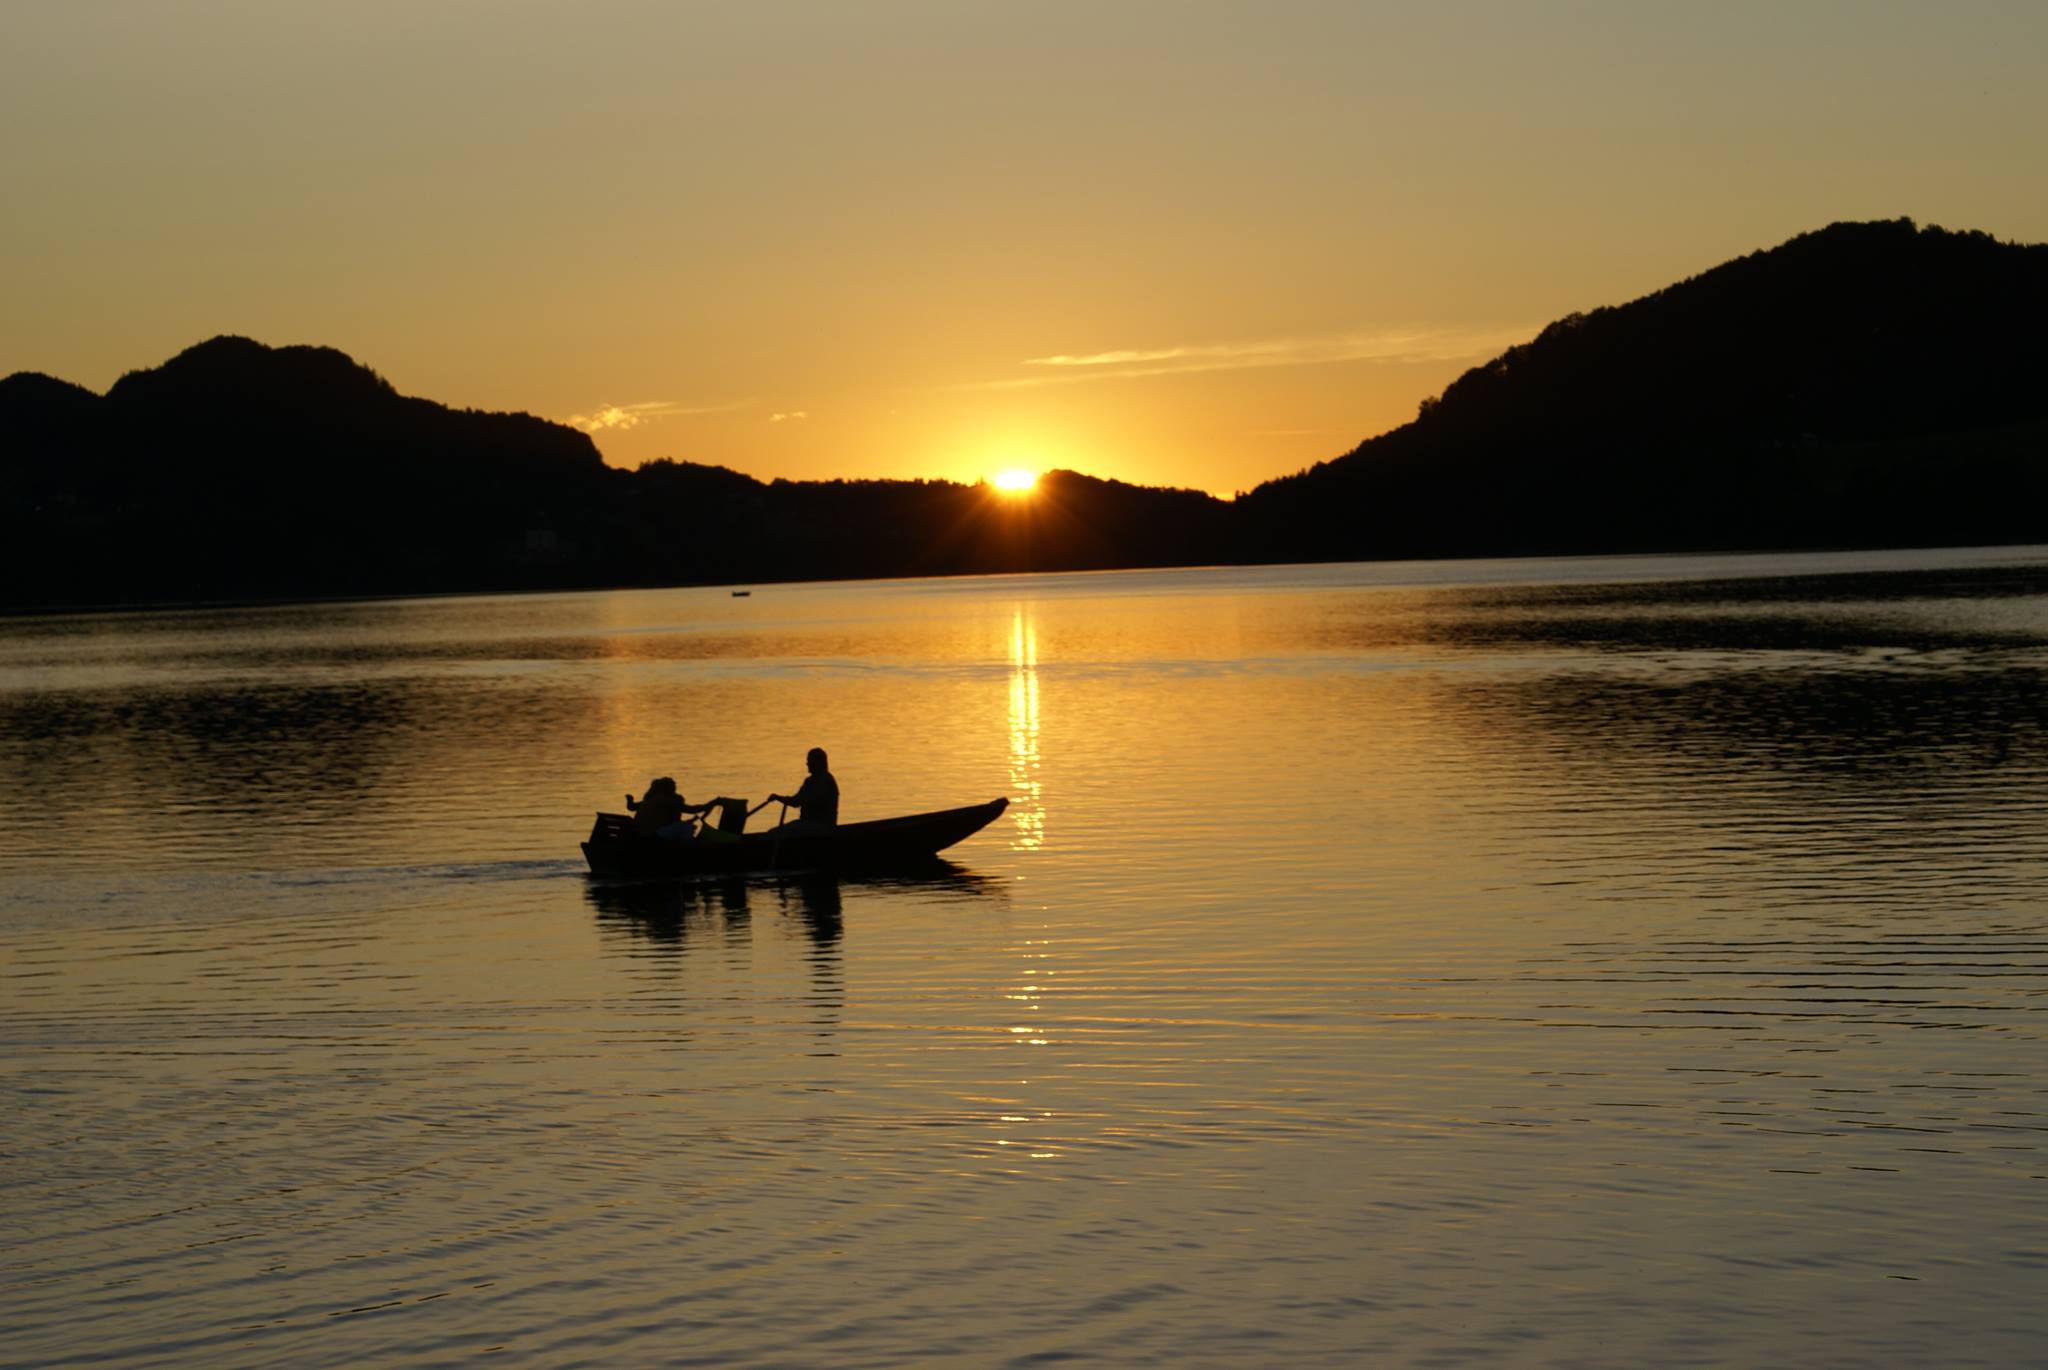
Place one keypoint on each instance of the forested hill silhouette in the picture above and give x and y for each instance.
(1865, 385)
(237, 470)
(1869, 384)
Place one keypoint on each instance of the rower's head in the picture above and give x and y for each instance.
(814, 759)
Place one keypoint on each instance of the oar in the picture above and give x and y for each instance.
(775, 842)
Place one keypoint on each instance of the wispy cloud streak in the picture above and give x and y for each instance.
(625, 416)
(1386, 345)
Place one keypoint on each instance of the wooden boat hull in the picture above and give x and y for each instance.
(616, 848)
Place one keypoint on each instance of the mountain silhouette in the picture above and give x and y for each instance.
(236, 470)
(1869, 384)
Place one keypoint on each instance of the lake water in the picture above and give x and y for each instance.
(1603, 962)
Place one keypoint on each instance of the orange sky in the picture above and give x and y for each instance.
(1183, 243)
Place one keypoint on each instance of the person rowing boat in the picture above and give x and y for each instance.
(816, 800)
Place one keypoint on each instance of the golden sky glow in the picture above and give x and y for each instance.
(1171, 241)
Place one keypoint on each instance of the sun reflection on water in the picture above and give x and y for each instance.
(1027, 808)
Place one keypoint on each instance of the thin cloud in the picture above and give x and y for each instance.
(785, 418)
(626, 416)
(1386, 345)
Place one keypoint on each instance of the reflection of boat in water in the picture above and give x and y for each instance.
(884, 844)
(662, 909)
(670, 911)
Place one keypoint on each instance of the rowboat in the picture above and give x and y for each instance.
(617, 848)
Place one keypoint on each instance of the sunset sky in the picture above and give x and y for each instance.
(1182, 243)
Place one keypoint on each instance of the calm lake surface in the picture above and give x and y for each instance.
(1602, 962)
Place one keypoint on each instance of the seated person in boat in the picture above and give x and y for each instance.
(660, 811)
(817, 800)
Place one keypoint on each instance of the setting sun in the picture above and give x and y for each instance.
(1015, 481)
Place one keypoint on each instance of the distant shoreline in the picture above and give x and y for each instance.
(2018, 552)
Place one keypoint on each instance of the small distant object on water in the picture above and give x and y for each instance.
(618, 847)
(741, 594)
